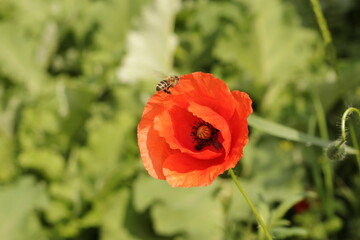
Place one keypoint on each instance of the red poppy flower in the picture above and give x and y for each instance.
(195, 133)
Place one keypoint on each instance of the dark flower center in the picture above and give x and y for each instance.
(204, 134)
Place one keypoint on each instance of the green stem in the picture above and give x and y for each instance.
(326, 35)
(320, 114)
(315, 169)
(356, 144)
(328, 181)
(257, 215)
(343, 131)
(325, 165)
(321, 21)
(343, 120)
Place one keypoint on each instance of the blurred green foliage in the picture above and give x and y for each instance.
(74, 78)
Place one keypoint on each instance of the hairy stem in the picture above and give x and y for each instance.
(253, 209)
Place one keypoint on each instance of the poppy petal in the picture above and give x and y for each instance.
(206, 90)
(153, 148)
(181, 170)
(217, 121)
(243, 102)
(239, 128)
(175, 126)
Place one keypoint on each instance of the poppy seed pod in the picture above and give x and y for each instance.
(336, 150)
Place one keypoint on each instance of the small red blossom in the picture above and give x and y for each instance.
(195, 133)
(302, 206)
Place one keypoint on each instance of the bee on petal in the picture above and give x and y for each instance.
(167, 83)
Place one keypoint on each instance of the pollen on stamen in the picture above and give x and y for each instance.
(203, 132)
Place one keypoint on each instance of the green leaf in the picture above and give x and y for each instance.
(9, 106)
(266, 178)
(18, 203)
(286, 205)
(46, 162)
(56, 211)
(286, 233)
(288, 133)
(111, 37)
(39, 124)
(116, 218)
(261, 48)
(193, 211)
(106, 141)
(271, 51)
(7, 167)
(151, 46)
(17, 59)
(103, 161)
